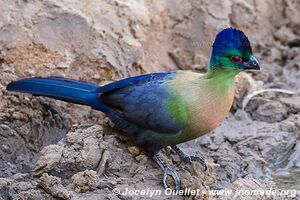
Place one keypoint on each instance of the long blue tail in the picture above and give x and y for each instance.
(60, 88)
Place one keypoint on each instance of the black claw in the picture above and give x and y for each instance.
(174, 175)
(200, 161)
(186, 158)
(167, 172)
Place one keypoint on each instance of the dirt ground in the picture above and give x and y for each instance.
(54, 150)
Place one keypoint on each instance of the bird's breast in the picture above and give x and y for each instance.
(208, 109)
(208, 112)
(207, 102)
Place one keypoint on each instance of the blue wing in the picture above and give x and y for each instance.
(141, 101)
(132, 103)
(136, 80)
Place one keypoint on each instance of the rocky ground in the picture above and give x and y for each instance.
(54, 150)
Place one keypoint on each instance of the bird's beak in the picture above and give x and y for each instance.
(252, 64)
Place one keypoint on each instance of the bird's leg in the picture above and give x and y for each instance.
(167, 171)
(186, 158)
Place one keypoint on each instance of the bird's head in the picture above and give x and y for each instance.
(232, 50)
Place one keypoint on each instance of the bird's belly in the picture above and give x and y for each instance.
(204, 124)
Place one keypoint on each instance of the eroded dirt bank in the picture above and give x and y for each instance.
(50, 149)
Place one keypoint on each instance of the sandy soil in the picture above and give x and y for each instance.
(54, 150)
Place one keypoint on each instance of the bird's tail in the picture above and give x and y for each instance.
(69, 90)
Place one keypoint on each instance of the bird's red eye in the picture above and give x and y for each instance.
(236, 59)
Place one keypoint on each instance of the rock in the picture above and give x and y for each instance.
(270, 112)
(19, 187)
(105, 158)
(81, 150)
(294, 160)
(20, 116)
(230, 164)
(184, 6)
(134, 150)
(290, 9)
(32, 194)
(291, 124)
(53, 186)
(294, 63)
(141, 158)
(201, 62)
(85, 181)
(4, 187)
(244, 85)
(52, 155)
(285, 35)
(292, 102)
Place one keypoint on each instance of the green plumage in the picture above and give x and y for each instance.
(177, 107)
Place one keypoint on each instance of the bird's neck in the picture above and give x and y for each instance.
(221, 79)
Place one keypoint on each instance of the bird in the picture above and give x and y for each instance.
(161, 109)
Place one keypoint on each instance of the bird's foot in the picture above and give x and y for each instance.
(174, 175)
(188, 159)
(168, 171)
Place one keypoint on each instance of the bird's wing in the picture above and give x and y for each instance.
(145, 101)
(137, 80)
